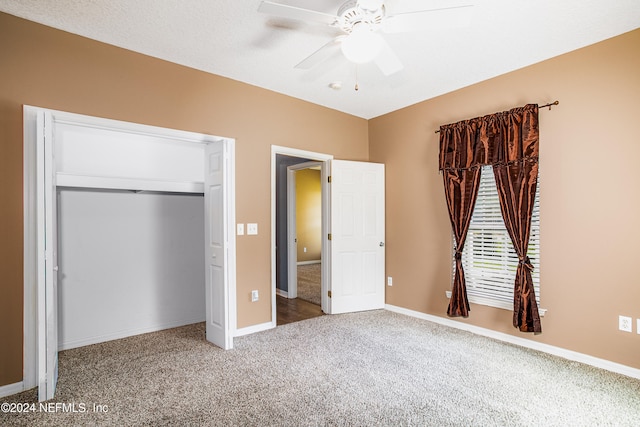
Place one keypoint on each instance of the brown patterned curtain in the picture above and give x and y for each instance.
(461, 190)
(509, 142)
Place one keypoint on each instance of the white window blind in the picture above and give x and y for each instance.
(488, 258)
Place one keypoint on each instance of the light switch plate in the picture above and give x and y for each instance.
(240, 229)
(252, 228)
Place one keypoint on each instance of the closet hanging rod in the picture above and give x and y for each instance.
(539, 106)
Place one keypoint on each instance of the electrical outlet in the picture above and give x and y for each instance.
(252, 229)
(389, 281)
(624, 324)
(254, 296)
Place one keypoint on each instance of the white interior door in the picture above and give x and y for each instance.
(47, 278)
(217, 234)
(357, 236)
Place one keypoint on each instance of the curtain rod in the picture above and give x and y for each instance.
(539, 106)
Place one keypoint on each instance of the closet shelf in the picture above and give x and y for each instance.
(120, 183)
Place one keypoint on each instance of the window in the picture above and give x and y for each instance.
(488, 258)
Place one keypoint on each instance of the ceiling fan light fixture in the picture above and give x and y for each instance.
(361, 45)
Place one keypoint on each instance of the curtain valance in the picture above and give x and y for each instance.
(490, 140)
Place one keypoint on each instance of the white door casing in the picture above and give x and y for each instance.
(292, 236)
(216, 246)
(47, 263)
(357, 236)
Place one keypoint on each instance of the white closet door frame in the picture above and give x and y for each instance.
(30, 367)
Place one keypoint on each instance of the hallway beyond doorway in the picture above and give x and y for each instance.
(295, 310)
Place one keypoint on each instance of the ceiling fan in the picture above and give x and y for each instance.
(361, 22)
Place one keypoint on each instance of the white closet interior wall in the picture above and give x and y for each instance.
(129, 263)
(130, 233)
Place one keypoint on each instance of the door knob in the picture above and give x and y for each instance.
(381, 244)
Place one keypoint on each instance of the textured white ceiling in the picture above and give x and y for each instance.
(230, 38)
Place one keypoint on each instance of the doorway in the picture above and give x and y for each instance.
(353, 229)
(286, 306)
(304, 232)
(302, 298)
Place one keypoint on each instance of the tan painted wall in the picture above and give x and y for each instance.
(586, 280)
(53, 69)
(590, 196)
(309, 214)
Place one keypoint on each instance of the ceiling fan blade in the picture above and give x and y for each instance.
(387, 60)
(293, 12)
(322, 54)
(434, 19)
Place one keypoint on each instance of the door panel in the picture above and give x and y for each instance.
(357, 236)
(216, 246)
(47, 282)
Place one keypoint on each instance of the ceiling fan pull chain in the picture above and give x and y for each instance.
(356, 87)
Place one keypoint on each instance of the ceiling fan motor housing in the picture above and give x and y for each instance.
(350, 15)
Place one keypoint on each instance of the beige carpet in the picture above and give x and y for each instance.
(310, 282)
(374, 368)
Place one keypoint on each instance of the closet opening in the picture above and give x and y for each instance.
(130, 262)
(128, 229)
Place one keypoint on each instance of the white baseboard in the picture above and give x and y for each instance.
(523, 342)
(9, 389)
(255, 328)
(128, 333)
(282, 293)
(314, 261)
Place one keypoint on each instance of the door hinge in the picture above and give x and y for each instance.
(329, 179)
(329, 236)
(329, 293)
